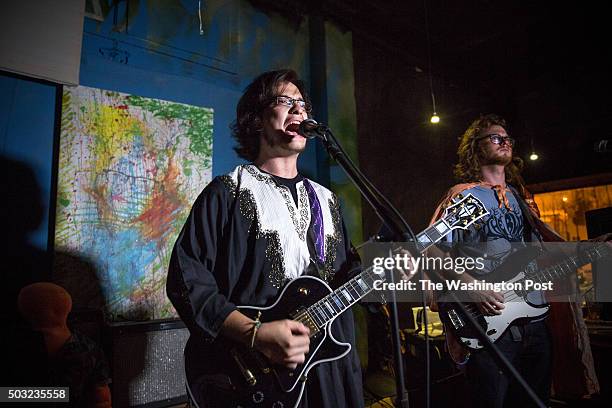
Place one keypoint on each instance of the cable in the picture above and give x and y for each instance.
(379, 398)
(200, 16)
(427, 356)
(433, 98)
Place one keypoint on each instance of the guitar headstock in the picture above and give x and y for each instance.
(464, 212)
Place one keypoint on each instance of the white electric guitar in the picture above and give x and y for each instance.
(518, 309)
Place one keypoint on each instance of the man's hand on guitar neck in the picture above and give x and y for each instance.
(283, 342)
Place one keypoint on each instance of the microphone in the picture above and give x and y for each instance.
(602, 146)
(310, 128)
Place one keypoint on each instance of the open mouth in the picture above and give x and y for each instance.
(293, 128)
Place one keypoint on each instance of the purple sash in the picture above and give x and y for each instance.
(317, 223)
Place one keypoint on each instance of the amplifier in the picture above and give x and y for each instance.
(146, 360)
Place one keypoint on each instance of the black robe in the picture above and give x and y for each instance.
(226, 255)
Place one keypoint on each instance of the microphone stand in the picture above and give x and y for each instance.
(402, 231)
(399, 227)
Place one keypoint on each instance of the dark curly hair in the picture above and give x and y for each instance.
(470, 153)
(248, 126)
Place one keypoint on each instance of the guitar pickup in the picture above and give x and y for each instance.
(306, 319)
(310, 323)
(455, 319)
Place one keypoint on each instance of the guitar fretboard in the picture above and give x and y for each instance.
(358, 287)
(342, 298)
(432, 234)
(569, 265)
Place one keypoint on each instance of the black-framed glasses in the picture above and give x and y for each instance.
(499, 139)
(291, 102)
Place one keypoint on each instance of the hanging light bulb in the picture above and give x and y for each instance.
(435, 119)
(533, 156)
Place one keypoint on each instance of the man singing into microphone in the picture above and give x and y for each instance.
(248, 233)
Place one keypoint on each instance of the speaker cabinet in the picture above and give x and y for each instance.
(147, 365)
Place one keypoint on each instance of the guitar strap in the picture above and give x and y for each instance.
(529, 225)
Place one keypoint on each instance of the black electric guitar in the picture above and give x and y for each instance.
(517, 269)
(245, 378)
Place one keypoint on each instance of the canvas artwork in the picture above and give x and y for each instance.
(129, 170)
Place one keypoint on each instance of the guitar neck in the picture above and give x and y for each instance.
(359, 286)
(569, 265)
(432, 234)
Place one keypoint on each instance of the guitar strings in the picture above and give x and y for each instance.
(555, 272)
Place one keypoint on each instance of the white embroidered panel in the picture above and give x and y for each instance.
(277, 212)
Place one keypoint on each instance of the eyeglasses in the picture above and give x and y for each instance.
(499, 139)
(290, 102)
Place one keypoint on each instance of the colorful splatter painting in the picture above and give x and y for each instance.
(129, 170)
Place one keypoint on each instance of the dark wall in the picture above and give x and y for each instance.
(405, 156)
(543, 66)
